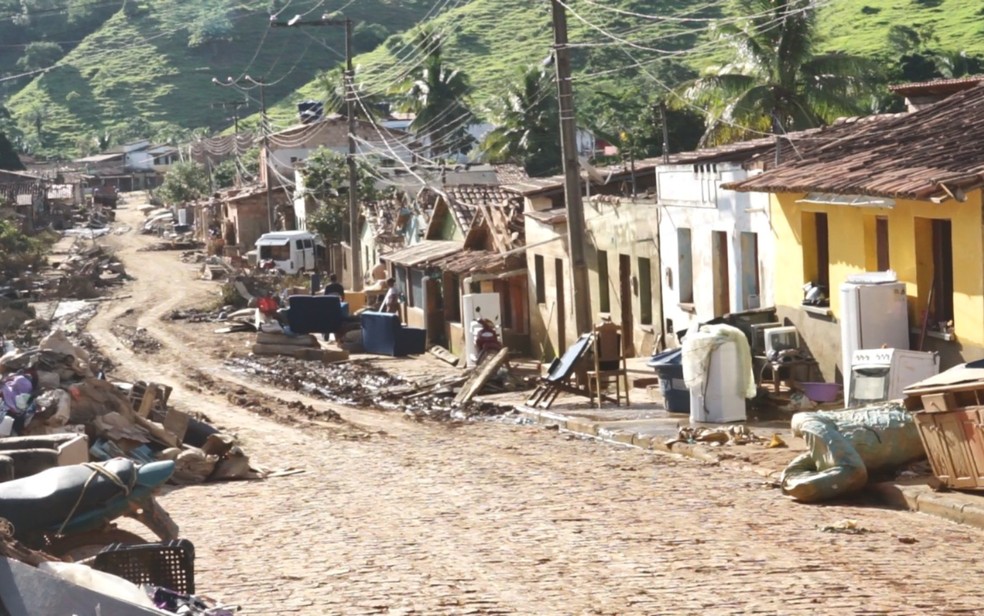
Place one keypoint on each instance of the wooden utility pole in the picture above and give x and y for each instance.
(355, 240)
(265, 128)
(576, 233)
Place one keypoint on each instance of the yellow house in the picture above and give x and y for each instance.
(901, 192)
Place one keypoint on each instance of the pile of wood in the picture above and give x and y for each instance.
(300, 346)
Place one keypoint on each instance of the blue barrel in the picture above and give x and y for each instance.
(669, 368)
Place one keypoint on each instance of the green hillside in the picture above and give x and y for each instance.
(129, 68)
(148, 69)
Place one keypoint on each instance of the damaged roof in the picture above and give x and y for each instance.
(932, 154)
(485, 261)
(423, 253)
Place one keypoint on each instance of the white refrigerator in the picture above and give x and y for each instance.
(874, 315)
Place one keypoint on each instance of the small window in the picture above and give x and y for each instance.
(539, 279)
(645, 291)
(816, 250)
(308, 244)
(604, 298)
(685, 260)
(299, 244)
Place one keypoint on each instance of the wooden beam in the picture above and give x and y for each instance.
(485, 371)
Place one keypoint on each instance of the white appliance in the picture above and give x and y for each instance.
(878, 375)
(874, 315)
(474, 305)
(720, 401)
(780, 339)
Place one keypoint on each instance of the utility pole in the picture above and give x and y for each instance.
(355, 240)
(235, 111)
(666, 131)
(572, 181)
(264, 126)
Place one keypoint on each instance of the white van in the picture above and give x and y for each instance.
(289, 251)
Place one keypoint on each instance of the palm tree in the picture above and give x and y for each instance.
(527, 125)
(438, 95)
(777, 82)
(332, 86)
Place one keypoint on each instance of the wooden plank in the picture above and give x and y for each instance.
(147, 401)
(176, 423)
(301, 340)
(444, 355)
(484, 373)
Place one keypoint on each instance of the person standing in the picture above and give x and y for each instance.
(334, 287)
(391, 301)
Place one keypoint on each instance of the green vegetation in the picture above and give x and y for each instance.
(326, 180)
(778, 83)
(526, 118)
(126, 68)
(18, 252)
(185, 181)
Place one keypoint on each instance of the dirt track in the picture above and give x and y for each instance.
(399, 517)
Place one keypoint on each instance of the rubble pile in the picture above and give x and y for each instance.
(358, 383)
(53, 388)
(137, 339)
(84, 273)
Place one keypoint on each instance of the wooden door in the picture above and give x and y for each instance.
(561, 307)
(625, 300)
(722, 274)
(434, 311)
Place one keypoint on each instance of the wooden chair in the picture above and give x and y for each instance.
(609, 364)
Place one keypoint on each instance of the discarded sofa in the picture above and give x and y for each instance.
(846, 447)
(311, 314)
(384, 334)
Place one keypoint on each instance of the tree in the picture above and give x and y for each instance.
(777, 82)
(527, 125)
(438, 95)
(184, 182)
(332, 85)
(326, 180)
(9, 159)
(40, 54)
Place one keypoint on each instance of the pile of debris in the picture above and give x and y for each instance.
(361, 384)
(87, 270)
(52, 389)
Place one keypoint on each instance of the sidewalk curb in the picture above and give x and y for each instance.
(916, 497)
(922, 499)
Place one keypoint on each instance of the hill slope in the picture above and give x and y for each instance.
(144, 67)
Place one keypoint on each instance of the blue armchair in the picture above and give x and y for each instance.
(383, 334)
(309, 314)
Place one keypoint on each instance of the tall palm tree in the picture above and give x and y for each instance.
(777, 82)
(332, 86)
(438, 96)
(528, 125)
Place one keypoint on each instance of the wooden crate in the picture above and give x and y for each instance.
(954, 442)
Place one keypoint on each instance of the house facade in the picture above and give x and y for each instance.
(901, 193)
(716, 245)
(622, 253)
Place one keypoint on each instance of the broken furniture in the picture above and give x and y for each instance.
(609, 364)
(384, 334)
(321, 314)
(23, 456)
(559, 375)
(947, 409)
(786, 366)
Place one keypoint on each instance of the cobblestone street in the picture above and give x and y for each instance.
(488, 519)
(400, 517)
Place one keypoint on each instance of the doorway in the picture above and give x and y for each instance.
(625, 300)
(561, 307)
(434, 311)
(722, 275)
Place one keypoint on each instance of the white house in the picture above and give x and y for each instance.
(716, 245)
